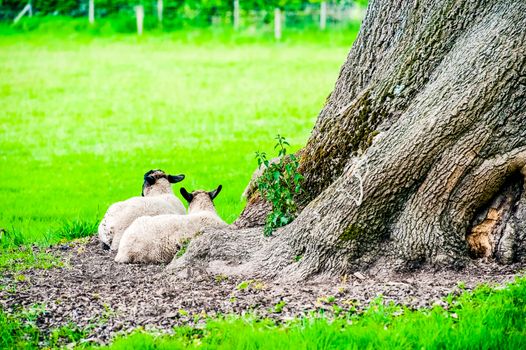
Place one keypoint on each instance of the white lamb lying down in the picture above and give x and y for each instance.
(157, 198)
(156, 239)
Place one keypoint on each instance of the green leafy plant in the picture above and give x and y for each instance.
(244, 285)
(184, 244)
(279, 184)
(279, 306)
(220, 278)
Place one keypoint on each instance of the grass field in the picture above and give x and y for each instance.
(488, 318)
(84, 113)
(84, 116)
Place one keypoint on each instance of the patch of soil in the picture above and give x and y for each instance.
(94, 290)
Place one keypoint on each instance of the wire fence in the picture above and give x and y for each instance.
(173, 14)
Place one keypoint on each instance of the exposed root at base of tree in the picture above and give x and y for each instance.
(499, 229)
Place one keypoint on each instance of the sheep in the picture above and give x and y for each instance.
(156, 198)
(156, 239)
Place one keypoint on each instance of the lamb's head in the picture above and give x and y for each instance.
(158, 182)
(200, 200)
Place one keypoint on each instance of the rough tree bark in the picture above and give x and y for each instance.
(418, 156)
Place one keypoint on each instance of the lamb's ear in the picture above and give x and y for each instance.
(175, 178)
(213, 194)
(186, 195)
(149, 179)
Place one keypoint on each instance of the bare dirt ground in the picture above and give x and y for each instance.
(113, 298)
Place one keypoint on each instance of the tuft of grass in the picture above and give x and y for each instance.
(142, 340)
(184, 245)
(19, 330)
(76, 229)
(11, 238)
(220, 278)
(22, 258)
(244, 284)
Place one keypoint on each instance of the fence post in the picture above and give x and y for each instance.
(26, 9)
(356, 12)
(323, 15)
(236, 14)
(160, 11)
(91, 11)
(277, 23)
(139, 14)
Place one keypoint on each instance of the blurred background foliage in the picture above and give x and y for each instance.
(181, 13)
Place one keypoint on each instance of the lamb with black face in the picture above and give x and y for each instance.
(157, 198)
(157, 239)
(157, 182)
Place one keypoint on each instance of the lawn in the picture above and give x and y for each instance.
(84, 116)
(487, 318)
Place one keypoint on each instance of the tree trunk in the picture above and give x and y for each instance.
(419, 155)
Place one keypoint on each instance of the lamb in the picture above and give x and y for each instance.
(156, 239)
(157, 198)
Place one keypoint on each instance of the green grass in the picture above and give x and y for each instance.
(340, 35)
(19, 330)
(487, 318)
(23, 258)
(85, 114)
